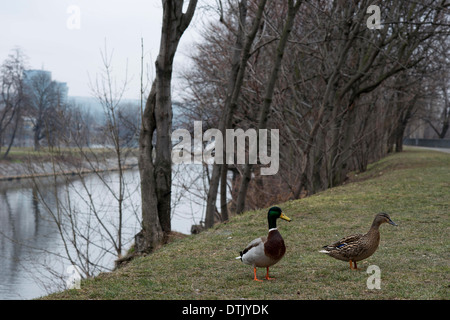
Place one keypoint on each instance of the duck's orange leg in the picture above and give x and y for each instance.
(254, 272)
(356, 267)
(267, 275)
(351, 265)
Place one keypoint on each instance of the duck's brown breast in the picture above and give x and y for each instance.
(370, 245)
(274, 247)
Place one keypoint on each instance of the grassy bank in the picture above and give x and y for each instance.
(25, 154)
(23, 163)
(413, 187)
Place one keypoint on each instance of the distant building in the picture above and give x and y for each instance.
(28, 75)
(45, 77)
(63, 90)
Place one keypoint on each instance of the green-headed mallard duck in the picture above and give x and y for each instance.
(358, 246)
(264, 252)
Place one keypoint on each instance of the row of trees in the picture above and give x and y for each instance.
(29, 100)
(340, 93)
(346, 92)
(25, 98)
(35, 110)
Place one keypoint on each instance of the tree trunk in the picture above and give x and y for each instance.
(445, 114)
(13, 136)
(264, 113)
(329, 101)
(156, 172)
(239, 64)
(401, 126)
(223, 193)
(341, 151)
(37, 133)
(399, 138)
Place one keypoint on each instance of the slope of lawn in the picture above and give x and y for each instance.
(414, 258)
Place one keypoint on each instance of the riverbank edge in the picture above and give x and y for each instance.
(23, 171)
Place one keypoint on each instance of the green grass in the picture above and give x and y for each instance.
(413, 187)
(72, 154)
(18, 154)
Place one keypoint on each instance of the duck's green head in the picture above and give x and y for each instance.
(274, 214)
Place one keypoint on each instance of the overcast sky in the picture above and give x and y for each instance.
(40, 29)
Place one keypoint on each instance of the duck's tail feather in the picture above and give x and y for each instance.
(240, 256)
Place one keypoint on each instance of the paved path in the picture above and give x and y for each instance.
(446, 150)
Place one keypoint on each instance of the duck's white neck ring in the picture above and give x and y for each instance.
(273, 229)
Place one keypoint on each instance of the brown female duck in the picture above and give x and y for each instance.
(357, 247)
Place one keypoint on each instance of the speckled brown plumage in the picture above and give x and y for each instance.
(357, 247)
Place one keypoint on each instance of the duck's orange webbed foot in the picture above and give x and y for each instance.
(267, 275)
(254, 272)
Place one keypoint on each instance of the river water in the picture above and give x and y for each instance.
(33, 254)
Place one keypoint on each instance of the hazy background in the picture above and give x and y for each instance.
(40, 29)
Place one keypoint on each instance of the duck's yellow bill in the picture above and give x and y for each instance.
(284, 217)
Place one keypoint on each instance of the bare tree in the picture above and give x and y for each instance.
(156, 170)
(90, 218)
(12, 96)
(241, 56)
(335, 96)
(110, 96)
(42, 98)
(366, 61)
(438, 115)
(293, 8)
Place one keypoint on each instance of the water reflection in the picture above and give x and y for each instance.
(22, 232)
(33, 255)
